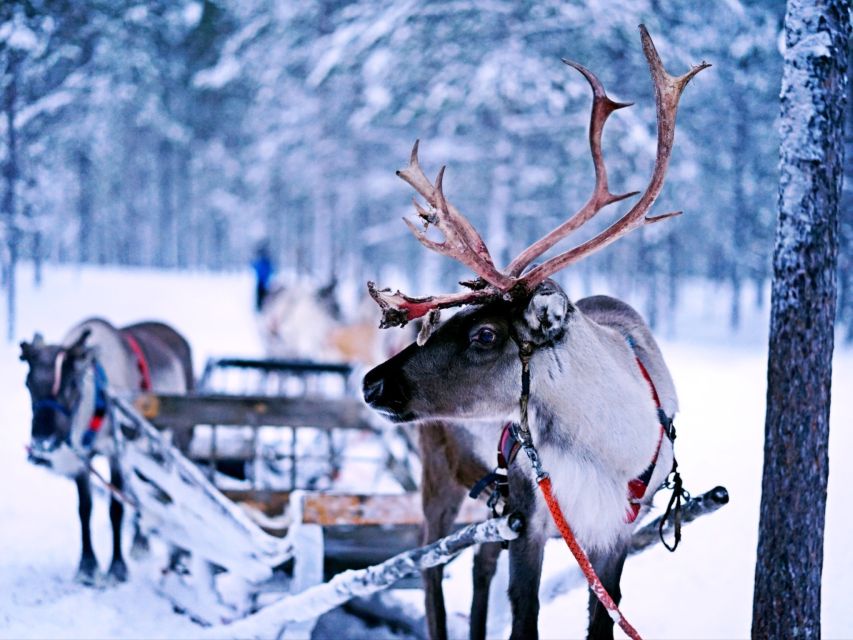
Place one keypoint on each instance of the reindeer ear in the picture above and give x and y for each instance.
(26, 351)
(545, 317)
(79, 347)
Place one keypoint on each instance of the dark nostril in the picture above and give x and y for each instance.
(372, 390)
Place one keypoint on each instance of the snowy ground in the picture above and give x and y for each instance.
(702, 591)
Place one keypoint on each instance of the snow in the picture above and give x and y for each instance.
(17, 35)
(704, 590)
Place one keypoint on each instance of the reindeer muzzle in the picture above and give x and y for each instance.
(387, 394)
(39, 451)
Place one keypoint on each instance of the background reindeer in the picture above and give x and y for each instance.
(301, 321)
(601, 397)
(70, 415)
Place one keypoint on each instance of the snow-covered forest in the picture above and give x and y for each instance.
(292, 467)
(178, 134)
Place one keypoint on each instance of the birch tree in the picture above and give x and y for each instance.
(786, 601)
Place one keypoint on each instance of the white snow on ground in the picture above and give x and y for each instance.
(704, 590)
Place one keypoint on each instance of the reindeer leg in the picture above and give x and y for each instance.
(87, 571)
(525, 568)
(485, 565)
(608, 566)
(118, 568)
(140, 548)
(525, 561)
(441, 498)
(439, 511)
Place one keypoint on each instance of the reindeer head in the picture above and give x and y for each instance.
(469, 367)
(54, 383)
(466, 368)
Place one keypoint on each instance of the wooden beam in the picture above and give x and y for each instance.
(284, 366)
(185, 411)
(334, 509)
(399, 509)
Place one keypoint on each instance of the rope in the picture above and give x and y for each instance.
(673, 507)
(592, 578)
(120, 495)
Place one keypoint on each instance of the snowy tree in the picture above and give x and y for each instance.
(793, 497)
(845, 230)
(41, 55)
(193, 129)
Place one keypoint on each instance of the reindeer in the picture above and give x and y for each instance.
(70, 421)
(600, 400)
(303, 322)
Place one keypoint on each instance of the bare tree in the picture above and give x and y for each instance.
(10, 173)
(793, 499)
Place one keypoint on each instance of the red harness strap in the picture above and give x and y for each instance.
(141, 362)
(592, 578)
(638, 486)
(636, 491)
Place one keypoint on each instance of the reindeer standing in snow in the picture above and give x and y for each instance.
(302, 321)
(67, 384)
(600, 398)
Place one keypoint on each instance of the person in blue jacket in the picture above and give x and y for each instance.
(264, 269)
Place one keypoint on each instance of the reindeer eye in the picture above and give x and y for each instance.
(485, 336)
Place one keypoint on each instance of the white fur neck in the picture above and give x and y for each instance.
(595, 426)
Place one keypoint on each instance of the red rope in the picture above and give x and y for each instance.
(648, 378)
(583, 561)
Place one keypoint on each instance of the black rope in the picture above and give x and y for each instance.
(673, 507)
(525, 351)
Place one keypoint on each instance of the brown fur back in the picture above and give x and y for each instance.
(159, 341)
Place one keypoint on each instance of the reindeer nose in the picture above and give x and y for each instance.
(372, 389)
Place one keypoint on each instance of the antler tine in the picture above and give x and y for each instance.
(398, 308)
(668, 90)
(602, 107)
(463, 243)
(461, 240)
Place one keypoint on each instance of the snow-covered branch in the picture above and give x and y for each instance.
(644, 538)
(315, 601)
(175, 498)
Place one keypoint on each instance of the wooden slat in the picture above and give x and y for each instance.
(336, 509)
(287, 366)
(185, 411)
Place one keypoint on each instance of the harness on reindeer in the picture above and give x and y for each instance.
(515, 437)
(101, 401)
(101, 406)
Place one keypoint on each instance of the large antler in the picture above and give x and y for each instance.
(668, 90)
(463, 243)
(602, 107)
(461, 240)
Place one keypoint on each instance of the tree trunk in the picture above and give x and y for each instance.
(845, 264)
(38, 258)
(183, 217)
(793, 499)
(500, 203)
(275, 219)
(166, 245)
(85, 231)
(10, 172)
(673, 251)
(738, 230)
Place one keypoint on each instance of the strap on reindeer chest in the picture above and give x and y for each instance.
(508, 448)
(100, 411)
(515, 436)
(141, 362)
